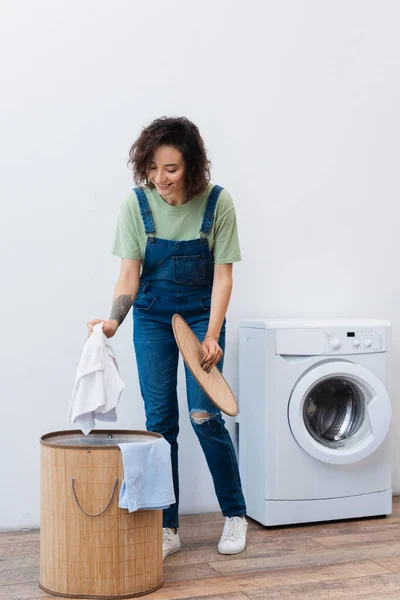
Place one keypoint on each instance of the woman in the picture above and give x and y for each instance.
(177, 238)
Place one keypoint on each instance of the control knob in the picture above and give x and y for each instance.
(334, 343)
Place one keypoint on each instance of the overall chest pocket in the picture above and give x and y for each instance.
(189, 269)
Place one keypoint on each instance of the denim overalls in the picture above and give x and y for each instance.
(177, 277)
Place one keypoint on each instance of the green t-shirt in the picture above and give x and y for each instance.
(178, 223)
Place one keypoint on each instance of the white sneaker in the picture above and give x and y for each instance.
(170, 542)
(233, 538)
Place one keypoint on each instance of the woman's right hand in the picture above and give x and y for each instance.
(109, 327)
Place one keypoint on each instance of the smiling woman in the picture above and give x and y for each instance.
(177, 239)
(169, 146)
(167, 174)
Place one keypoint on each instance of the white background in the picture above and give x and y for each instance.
(298, 102)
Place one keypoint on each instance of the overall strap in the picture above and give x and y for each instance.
(145, 211)
(210, 209)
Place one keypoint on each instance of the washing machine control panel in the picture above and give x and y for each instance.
(354, 341)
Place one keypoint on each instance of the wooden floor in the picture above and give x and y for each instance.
(347, 559)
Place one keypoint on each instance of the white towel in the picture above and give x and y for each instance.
(148, 480)
(98, 385)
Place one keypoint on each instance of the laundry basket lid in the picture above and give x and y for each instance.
(213, 384)
(98, 438)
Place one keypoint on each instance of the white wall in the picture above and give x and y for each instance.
(298, 103)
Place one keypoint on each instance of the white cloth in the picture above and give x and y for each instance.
(148, 483)
(98, 384)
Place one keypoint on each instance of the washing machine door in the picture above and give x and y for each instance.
(339, 412)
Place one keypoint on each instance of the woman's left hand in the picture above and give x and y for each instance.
(212, 353)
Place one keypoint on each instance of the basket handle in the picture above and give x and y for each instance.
(108, 503)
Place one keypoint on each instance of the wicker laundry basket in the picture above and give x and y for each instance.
(89, 547)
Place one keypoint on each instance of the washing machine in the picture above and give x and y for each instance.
(314, 419)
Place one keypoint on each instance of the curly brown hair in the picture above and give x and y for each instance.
(185, 137)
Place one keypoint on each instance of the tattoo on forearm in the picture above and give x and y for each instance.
(121, 307)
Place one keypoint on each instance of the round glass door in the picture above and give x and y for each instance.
(334, 410)
(339, 412)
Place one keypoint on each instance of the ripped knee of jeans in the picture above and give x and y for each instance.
(199, 417)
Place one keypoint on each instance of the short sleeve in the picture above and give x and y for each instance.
(126, 242)
(226, 242)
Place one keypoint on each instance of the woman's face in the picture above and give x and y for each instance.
(167, 173)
